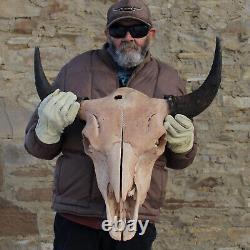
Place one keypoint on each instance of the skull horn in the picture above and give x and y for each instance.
(196, 102)
(42, 84)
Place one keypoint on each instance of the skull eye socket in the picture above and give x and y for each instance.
(97, 121)
(160, 141)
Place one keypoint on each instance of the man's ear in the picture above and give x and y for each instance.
(152, 33)
(108, 38)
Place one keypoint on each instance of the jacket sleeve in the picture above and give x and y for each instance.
(180, 161)
(31, 142)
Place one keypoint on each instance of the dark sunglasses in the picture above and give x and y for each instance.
(136, 31)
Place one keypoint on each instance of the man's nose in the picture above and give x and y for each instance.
(128, 37)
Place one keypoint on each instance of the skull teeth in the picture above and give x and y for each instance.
(131, 192)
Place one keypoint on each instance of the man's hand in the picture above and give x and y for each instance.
(179, 133)
(56, 111)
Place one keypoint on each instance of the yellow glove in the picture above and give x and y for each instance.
(179, 133)
(56, 111)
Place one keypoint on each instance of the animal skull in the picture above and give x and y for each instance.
(124, 147)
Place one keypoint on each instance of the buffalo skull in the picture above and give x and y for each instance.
(124, 147)
(124, 135)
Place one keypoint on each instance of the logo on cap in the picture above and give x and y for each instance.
(127, 9)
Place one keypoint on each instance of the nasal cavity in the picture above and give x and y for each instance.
(117, 97)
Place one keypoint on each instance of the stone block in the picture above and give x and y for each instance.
(245, 220)
(1, 61)
(207, 184)
(19, 40)
(34, 194)
(173, 203)
(235, 27)
(5, 125)
(1, 168)
(45, 29)
(229, 248)
(18, 118)
(239, 234)
(246, 74)
(37, 171)
(22, 244)
(247, 202)
(46, 246)
(45, 222)
(19, 60)
(202, 126)
(237, 102)
(70, 30)
(52, 59)
(21, 8)
(56, 6)
(16, 221)
(207, 233)
(29, 102)
(15, 155)
(246, 177)
(5, 25)
(238, 126)
(24, 26)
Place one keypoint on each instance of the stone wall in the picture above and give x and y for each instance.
(208, 204)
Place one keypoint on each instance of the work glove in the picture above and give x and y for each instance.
(179, 133)
(56, 111)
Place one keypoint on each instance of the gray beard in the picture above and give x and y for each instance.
(129, 55)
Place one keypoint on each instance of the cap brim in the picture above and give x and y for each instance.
(128, 18)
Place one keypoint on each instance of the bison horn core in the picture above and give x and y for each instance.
(196, 102)
(42, 84)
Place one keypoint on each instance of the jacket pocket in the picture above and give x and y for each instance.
(73, 179)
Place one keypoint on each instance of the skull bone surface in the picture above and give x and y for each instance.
(124, 136)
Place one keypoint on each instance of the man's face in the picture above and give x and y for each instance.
(129, 51)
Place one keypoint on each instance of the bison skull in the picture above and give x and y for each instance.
(124, 136)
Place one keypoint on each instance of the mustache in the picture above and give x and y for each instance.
(128, 45)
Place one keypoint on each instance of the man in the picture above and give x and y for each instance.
(124, 60)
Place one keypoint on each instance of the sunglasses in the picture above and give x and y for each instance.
(136, 31)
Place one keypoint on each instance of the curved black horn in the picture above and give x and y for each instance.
(42, 84)
(196, 102)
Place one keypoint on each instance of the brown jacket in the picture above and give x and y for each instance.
(93, 75)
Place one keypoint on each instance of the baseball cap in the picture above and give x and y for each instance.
(129, 9)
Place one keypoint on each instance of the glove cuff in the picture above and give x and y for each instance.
(183, 148)
(46, 135)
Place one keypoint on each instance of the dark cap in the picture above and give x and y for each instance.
(129, 9)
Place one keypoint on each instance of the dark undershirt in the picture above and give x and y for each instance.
(124, 75)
